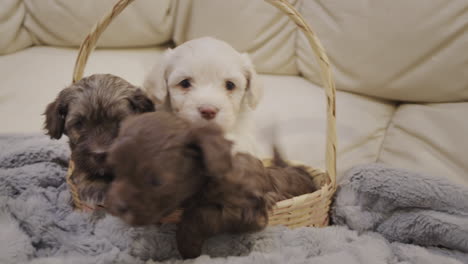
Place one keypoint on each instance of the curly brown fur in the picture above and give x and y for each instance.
(89, 113)
(162, 163)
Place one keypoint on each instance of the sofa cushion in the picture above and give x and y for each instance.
(429, 139)
(32, 78)
(294, 110)
(13, 35)
(401, 50)
(65, 23)
(249, 26)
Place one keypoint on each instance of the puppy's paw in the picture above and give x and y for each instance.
(189, 249)
(93, 192)
(188, 244)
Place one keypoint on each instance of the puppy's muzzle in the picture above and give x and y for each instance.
(208, 112)
(99, 156)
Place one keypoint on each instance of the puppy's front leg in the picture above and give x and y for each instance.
(90, 191)
(196, 226)
(200, 223)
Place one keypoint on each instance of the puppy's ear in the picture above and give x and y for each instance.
(254, 91)
(155, 83)
(215, 150)
(55, 115)
(140, 102)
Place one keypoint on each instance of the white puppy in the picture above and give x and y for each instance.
(206, 80)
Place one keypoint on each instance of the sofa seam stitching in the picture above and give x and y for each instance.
(297, 33)
(387, 127)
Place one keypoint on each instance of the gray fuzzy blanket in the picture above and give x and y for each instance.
(404, 206)
(37, 224)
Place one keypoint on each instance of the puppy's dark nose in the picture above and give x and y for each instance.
(208, 112)
(99, 156)
(116, 205)
(121, 208)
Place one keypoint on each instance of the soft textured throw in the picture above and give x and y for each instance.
(38, 225)
(404, 206)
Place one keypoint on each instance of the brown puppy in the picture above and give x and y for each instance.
(89, 113)
(162, 163)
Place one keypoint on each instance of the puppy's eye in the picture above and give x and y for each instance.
(78, 125)
(185, 83)
(154, 181)
(230, 86)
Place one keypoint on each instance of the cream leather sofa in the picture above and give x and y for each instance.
(401, 68)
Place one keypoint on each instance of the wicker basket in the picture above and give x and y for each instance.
(306, 210)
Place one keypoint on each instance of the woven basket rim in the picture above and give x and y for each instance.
(328, 189)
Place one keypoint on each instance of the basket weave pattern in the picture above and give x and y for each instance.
(306, 210)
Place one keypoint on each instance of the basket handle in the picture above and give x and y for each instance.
(89, 43)
(327, 81)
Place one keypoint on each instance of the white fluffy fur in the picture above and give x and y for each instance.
(208, 63)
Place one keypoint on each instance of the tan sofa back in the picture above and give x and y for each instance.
(65, 23)
(399, 50)
(402, 50)
(252, 26)
(13, 35)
